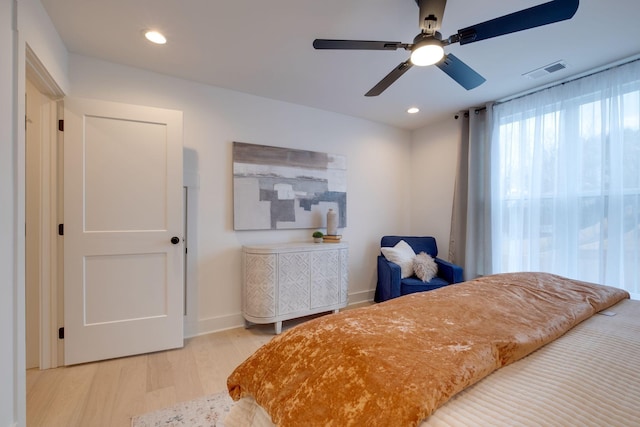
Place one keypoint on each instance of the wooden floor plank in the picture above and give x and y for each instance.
(101, 397)
(158, 371)
(132, 386)
(59, 397)
(186, 378)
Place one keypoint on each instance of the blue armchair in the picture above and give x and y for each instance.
(390, 285)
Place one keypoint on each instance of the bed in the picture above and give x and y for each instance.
(509, 349)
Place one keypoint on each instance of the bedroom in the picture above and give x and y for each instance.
(216, 116)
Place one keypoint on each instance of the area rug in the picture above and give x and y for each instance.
(207, 411)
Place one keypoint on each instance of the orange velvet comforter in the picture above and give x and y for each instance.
(395, 363)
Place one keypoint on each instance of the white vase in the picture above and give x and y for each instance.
(332, 222)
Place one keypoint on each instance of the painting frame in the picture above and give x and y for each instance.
(279, 188)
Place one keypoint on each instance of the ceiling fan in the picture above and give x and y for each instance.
(428, 46)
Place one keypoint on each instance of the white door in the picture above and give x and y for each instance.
(123, 226)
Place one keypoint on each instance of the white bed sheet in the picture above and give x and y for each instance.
(588, 377)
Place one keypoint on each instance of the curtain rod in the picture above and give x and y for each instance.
(465, 113)
(575, 77)
(610, 66)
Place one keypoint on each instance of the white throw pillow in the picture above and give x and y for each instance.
(425, 267)
(401, 254)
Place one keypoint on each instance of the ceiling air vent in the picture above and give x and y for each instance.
(546, 70)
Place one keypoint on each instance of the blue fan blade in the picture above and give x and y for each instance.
(536, 16)
(460, 72)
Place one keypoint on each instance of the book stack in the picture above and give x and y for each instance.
(331, 238)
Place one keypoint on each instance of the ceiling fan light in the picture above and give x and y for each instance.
(427, 54)
(155, 37)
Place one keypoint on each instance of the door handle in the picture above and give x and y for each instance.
(175, 240)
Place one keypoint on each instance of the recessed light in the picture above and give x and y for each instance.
(155, 37)
(413, 110)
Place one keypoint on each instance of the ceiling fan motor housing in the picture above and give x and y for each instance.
(431, 13)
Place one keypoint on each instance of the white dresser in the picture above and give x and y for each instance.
(292, 280)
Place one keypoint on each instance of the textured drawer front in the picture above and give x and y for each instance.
(260, 285)
(293, 272)
(325, 278)
(344, 276)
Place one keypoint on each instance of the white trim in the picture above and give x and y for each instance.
(37, 74)
(49, 243)
(218, 323)
(20, 379)
(357, 298)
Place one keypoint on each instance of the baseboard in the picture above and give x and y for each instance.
(217, 324)
(362, 297)
(190, 328)
(232, 321)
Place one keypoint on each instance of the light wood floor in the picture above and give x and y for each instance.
(109, 393)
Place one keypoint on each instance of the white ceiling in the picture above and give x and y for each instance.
(264, 48)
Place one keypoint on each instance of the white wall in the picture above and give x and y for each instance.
(8, 376)
(434, 157)
(377, 187)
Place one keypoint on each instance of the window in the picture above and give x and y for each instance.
(567, 196)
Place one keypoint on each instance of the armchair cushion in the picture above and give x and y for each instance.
(425, 267)
(413, 284)
(403, 255)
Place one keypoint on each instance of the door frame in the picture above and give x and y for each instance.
(50, 245)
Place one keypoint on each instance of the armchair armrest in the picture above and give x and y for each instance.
(450, 272)
(388, 280)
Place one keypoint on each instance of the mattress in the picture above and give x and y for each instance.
(589, 377)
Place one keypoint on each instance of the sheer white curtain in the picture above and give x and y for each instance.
(566, 198)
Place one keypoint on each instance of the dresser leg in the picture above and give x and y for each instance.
(278, 326)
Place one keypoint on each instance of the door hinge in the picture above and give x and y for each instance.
(60, 229)
(61, 125)
(61, 333)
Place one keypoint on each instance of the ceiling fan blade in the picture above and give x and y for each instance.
(356, 44)
(536, 16)
(389, 79)
(460, 72)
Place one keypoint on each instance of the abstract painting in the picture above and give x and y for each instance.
(278, 188)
